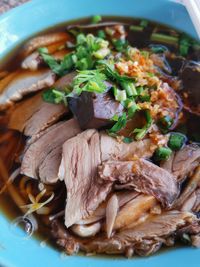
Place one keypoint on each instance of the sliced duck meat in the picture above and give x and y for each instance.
(112, 149)
(25, 82)
(183, 162)
(144, 239)
(32, 61)
(90, 149)
(123, 197)
(192, 203)
(45, 151)
(190, 233)
(48, 169)
(191, 186)
(44, 40)
(133, 211)
(94, 110)
(144, 176)
(81, 156)
(33, 115)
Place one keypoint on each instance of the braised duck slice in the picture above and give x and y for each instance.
(44, 40)
(80, 159)
(23, 83)
(45, 152)
(144, 239)
(144, 177)
(183, 161)
(33, 115)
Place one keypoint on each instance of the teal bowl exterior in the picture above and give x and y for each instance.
(25, 21)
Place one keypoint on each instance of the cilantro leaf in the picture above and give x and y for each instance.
(55, 96)
(111, 73)
(90, 81)
(60, 69)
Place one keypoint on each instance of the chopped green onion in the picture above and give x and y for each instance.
(120, 124)
(139, 89)
(129, 87)
(136, 28)
(115, 117)
(158, 37)
(162, 153)
(119, 44)
(101, 53)
(96, 19)
(120, 95)
(101, 34)
(80, 39)
(144, 23)
(141, 132)
(132, 109)
(176, 141)
(165, 123)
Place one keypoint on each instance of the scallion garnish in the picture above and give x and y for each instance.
(120, 124)
(162, 153)
(120, 95)
(129, 87)
(101, 34)
(101, 53)
(120, 44)
(136, 28)
(167, 39)
(176, 141)
(141, 132)
(96, 19)
(165, 123)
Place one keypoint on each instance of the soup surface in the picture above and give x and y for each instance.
(99, 137)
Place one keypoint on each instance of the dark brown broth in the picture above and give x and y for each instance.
(11, 62)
